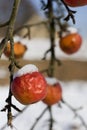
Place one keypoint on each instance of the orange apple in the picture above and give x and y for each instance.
(19, 50)
(70, 43)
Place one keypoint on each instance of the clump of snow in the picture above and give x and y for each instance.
(51, 80)
(70, 30)
(30, 68)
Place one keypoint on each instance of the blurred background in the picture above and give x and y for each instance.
(72, 73)
(30, 12)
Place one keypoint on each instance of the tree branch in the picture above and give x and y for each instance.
(70, 13)
(9, 37)
(4, 24)
(75, 113)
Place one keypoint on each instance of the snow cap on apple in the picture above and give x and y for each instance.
(29, 85)
(30, 68)
(51, 80)
(72, 29)
(69, 30)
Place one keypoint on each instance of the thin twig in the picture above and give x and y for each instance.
(51, 118)
(70, 12)
(9, 37)
(28, 26)
(75, 113)
(3, 45)
(4, 24)
(37, 120)
(15, 117)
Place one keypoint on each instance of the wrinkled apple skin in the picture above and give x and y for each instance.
(54, 94)
(76, 3)
(29, 88)
(70, 43)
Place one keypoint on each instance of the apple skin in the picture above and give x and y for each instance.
(76, 3)
(70, 43)
(54, 94)
(29, 88)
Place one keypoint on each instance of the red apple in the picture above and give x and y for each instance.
(76, 3)
(70, 43)
(29, 85)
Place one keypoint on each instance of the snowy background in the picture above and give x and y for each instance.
(43, 44)
(74, 93)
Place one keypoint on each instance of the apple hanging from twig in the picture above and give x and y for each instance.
(54, 93)
(28, 85)
(70, 43)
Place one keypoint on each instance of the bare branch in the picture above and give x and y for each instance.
(28, 27)
(4, 24)
(37, 120)
(75, 113)
(70, 13)
(14, 117)
(3, 45)
(9, 37)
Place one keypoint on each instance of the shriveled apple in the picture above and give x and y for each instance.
(54, 94)
(29, 85)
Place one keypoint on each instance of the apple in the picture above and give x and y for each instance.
(29, 85)
(54, 94)
(76, 3)
(70, 43)
(19, 49)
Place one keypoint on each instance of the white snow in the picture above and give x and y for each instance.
(29, 68)
(51, 80)
(74, 92)
(70, 30)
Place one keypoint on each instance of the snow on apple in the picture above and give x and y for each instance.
(30, 68)
(69, 30)
(72, 29)
(51, 80)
